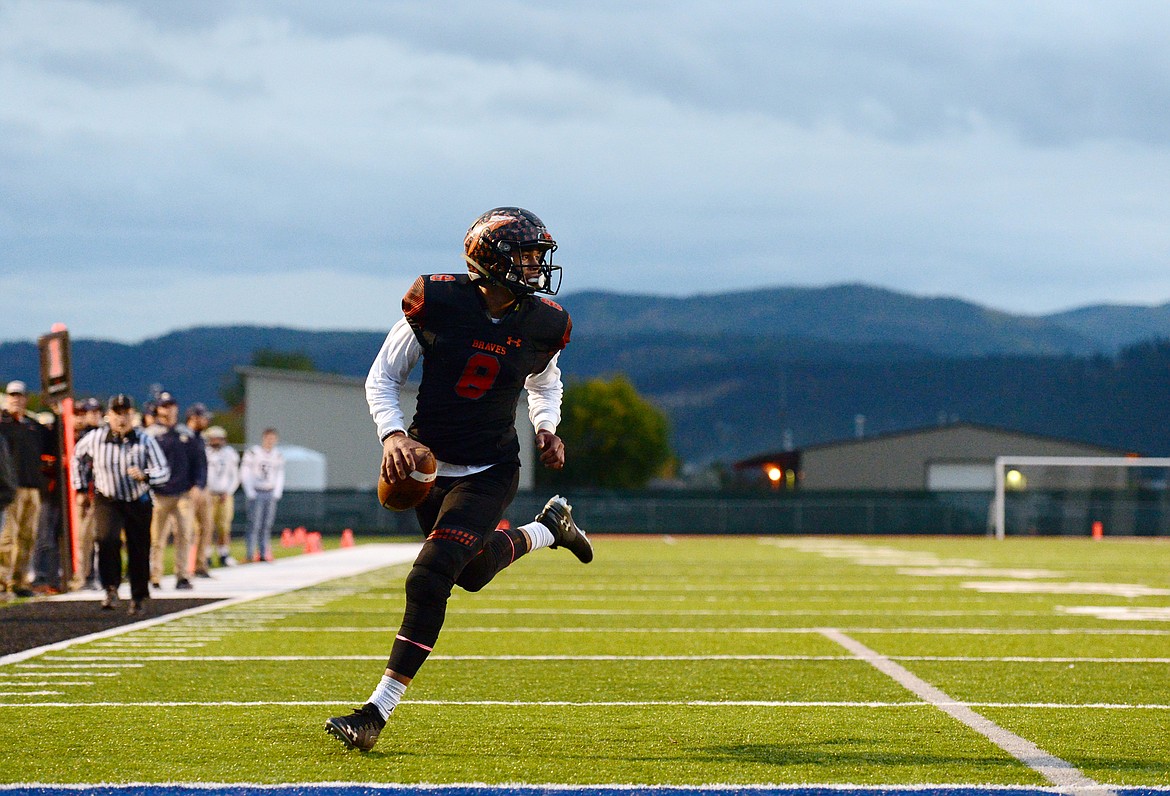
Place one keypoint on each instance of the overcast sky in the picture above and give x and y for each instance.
(171, 164)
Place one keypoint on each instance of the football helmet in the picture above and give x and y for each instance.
(495, 245)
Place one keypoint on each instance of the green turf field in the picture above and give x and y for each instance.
(666, 661)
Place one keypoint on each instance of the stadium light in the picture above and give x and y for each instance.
(1014, 479)
(774, 475)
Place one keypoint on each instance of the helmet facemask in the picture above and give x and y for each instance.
(511, 248)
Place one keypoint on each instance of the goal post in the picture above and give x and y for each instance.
(1004, 464)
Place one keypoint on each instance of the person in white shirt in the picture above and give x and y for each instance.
(262, 476)
(223, 479)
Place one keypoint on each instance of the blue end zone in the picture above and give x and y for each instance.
(554, 790)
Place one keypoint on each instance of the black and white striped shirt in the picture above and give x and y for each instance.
(108, 456)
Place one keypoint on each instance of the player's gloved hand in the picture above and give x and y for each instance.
(552, 450)
(400, 456)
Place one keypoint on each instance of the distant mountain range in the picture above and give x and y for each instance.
(860, 314)
(741, 372)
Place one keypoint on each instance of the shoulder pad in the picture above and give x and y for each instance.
(412, 302)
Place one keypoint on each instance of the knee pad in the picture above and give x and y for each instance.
(475, 580)
(435, 570)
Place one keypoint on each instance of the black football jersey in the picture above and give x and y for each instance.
(474, 368)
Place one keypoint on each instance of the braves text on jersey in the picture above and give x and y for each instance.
(474, 367)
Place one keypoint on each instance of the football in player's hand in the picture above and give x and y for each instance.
(412, 490)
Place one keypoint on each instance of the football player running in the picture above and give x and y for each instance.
(482, 336)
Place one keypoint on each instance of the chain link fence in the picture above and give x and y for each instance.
(945, 513)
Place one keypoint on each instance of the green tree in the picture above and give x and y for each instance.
(233, 391)
(614, 438)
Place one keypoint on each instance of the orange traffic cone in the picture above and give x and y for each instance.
(347, 538)
(299, 536)
(313, 542)
(286, 538)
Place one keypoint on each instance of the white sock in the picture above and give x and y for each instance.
(224, 552)
(538, 535)
(387, 695)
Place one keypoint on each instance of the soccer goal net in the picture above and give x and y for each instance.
(1081, 496)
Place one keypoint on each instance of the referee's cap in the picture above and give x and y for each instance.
(165, 399)
(215, 432)
(121, 403)
(16, 387)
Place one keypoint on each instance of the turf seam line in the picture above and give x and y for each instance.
(1057, 771)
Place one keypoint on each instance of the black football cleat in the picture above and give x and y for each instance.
(557, 516)
(358, 730)
(137, 606)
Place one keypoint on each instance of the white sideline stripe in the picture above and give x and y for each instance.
(620, 658)
(601, 629)
(329, 786)
(601, 585)
(1058, 772)
(479, 787)
(520, 703)
(288, 574)
(709, 612)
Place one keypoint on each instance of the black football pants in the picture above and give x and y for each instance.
(462, 547)
(110, 518)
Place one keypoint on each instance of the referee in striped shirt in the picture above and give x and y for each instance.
(124, 463)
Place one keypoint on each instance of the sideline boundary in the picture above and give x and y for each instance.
(358, 789)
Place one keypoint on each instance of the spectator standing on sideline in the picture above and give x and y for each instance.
(20, 519)
(7, 489)
(7, 476)
(149, 409)
(262, 476)
(124, 462)
(197, 420)
(187, 465)
(46, 556)
(87, 416)
(223, 478)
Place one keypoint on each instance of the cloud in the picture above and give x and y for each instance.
(1008, 154)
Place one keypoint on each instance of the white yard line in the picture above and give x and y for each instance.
(730, 703)
(621, 658)
(1057, 771)
(333, 788)
(513, 610)
(603, 630)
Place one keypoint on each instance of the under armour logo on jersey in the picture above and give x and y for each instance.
(516, 341)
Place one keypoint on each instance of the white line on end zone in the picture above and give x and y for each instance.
(1059, 772)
